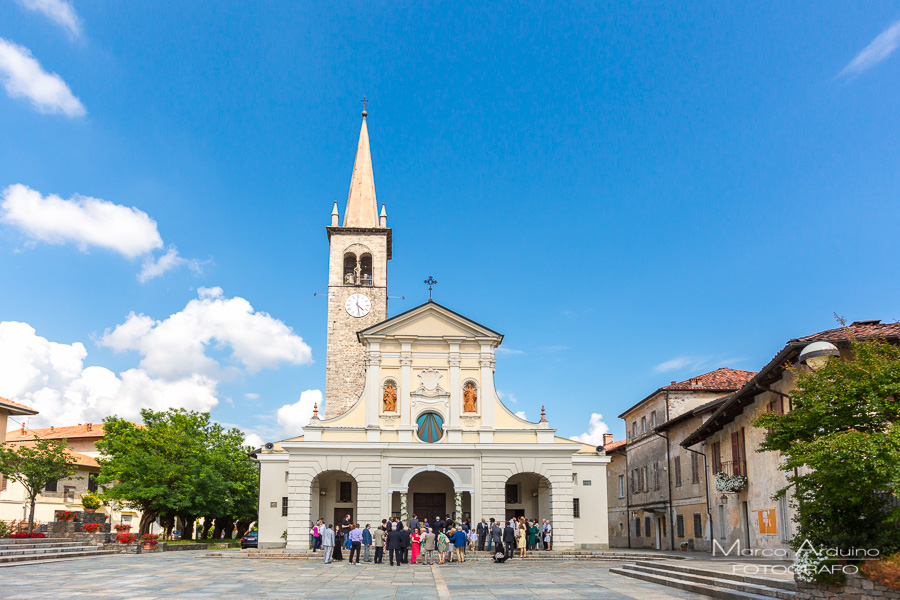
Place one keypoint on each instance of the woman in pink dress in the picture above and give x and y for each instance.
(415, 546)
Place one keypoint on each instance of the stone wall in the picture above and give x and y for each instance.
(855, 588)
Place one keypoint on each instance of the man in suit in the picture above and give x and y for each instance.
(378, 542)
(328, 543)
(481, 530)
(405, 543)
(428, 547)
(509, 540)
(414, 523)
(438, 525)
(490, 537)
(393, 546)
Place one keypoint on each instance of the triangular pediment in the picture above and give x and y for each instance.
(429, 320)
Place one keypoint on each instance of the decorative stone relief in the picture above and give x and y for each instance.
(470, 420)
(391, 420)
(430, 392)
(431, 379)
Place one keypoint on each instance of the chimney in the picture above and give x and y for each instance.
(673, 383)
(607, 439)
(23, 427)
(89, 427)
(51, 428)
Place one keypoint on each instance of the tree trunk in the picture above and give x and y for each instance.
(147, 518)
(167, 521)
(31, 515)
(242, 527)
(187, 527)
(207, 524)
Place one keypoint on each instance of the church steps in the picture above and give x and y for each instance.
(715, 584)
(29, 550)
(615, 557)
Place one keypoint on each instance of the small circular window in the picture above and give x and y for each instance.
(430, 427)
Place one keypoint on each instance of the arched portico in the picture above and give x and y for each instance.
(334, 495)
(528, 495)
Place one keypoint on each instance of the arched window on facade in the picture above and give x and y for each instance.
(349, 269)
(365, 269)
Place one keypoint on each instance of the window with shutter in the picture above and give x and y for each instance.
(679, 525)
(695, 468)
(698, 525)
(677, 465)
(716, 458)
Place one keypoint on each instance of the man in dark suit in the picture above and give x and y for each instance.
(414, 523)
(393, 545)
(438, 525)
(405, 542)
(481, 530)
(509, 540)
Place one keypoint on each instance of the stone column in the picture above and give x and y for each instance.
(404, 506)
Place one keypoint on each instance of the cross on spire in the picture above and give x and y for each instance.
(365, 104)
(430, 282)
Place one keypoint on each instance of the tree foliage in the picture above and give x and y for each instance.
(178, 464)
(840, 444)
(34, 465)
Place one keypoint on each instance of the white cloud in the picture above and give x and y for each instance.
(507, 396)
(81, 220)
(59, 11)
(508, 351)
(23, 77)
(521, 415)
(51, 378)
(294, 417)
(177, 346)
(880, 48)
(596, 429)
(251, 396)
(170, 260)
(253, 440)
(679, 363)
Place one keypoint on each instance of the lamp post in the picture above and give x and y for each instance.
(816, 355)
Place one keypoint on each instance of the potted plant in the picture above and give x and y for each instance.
(90, 501)
(730, 483)
(123, 527)
(149, 540)
(684, 546)
(126, 538)
(92, 527)
(65, 515)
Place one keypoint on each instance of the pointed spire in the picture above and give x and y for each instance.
(335, 217)
(362, 208)
(383, 218)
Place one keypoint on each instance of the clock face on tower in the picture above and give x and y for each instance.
(358, 305)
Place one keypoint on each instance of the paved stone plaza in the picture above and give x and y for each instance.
(182, 575)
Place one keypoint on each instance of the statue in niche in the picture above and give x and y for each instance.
(390, 398)
(470, 398)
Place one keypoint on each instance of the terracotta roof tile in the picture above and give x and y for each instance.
(610, 447)
(857, 329)
(720, 379)
(87, 430)
(10, 403)
(82, 460)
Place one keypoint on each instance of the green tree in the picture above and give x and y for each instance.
(34, 465)
(840, 444)
(178, 464)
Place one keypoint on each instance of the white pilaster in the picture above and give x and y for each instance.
(455, 401)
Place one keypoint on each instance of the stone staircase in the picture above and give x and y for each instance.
(537, 555)
(18, 551)
(715, 583)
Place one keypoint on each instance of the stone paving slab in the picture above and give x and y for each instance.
(178, 575)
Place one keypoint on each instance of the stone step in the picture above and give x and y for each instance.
(49, 550)
(11, 561)
(17, 541)
(39, 544)
(282, 555)
(774, 582)
(722, 589)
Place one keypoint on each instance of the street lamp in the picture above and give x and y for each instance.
(816, 355)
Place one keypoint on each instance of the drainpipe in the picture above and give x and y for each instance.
(706, 486)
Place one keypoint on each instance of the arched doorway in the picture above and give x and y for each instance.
(333, 496)
(431, 494)
(528, 495)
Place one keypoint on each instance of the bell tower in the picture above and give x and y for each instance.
(357, 282)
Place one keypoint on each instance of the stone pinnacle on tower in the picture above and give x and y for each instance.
(362, 208)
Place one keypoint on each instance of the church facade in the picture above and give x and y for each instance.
(412, 423)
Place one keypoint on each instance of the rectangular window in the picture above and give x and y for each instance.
(52, 486)
(621, 486)
(738, 453)
(576, 508)
(69, 493)
(92, 482)
(643, 425)
(586, 482)
(512, 493)
(695, 468)
(634, 429)
(656, 476)
(346, 492)
(698, 525)
(653, 420)
(637, 526)
(647, 526)
(284, 506)
(126, 519)
(716, 458)
(679, 525)
(677, 471)
(644, 487)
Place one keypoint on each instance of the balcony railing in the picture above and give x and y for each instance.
(734, 467)
(363, 280)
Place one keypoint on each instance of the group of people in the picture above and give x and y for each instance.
(426, 543)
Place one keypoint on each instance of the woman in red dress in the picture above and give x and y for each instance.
(415, 546)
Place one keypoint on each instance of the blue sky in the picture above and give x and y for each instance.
(631, 194)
